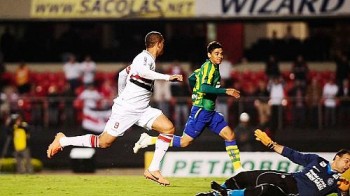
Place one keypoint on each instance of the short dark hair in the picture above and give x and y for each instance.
(341, 152)
(213, 45)
(152, 38)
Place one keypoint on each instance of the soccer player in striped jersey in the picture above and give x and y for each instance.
(132, 107)
(206, 87)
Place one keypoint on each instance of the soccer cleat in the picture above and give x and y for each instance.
(210, 193)
(143, 142)
(55, 146)
(156, 176)
(215, 186)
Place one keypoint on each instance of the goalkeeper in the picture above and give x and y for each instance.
(318, 177)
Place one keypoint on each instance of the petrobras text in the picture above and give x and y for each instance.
(218, 164)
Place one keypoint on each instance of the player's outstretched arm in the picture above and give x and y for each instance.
(144, 72)
(266, 140)
(123, 75)
(176, 78)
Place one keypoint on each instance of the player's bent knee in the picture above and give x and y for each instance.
(227, 134)
(229, 137)
(163, 125)
(168, 128)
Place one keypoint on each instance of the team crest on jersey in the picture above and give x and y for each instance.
(330, 181)
(323, 164)
(116, 125)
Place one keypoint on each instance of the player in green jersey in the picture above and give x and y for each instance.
(205, 82)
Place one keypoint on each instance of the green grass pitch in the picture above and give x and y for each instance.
(99, 185)
(91, 185)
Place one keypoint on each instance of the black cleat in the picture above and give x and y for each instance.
(215, 186)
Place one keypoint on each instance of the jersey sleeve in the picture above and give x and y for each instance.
(142, 66)
(152, 75)
(123, 75)
(212, 90)
(298, 157)
(208, 71)
(192, 79)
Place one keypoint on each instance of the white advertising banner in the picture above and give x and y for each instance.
(217, 164)
(271, 8)
(213, 9)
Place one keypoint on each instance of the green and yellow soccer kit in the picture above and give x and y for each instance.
(207, 86)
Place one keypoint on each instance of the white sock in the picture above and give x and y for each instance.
(88, 140)
(162, 146)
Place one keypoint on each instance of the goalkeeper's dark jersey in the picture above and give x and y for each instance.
(317, 177)
(208, 74)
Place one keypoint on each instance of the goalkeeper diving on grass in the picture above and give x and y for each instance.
(317, 178)
(205, 83)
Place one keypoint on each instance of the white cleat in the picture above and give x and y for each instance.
(143, 142)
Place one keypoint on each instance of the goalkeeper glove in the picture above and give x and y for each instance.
(343, 185)
(263, 138)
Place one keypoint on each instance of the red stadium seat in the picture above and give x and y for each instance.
(235, 75)
(261, 75)
(328, 75)
(52, 77)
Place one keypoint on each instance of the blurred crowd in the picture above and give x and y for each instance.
(274, 99)
(51, 98)
(298, 98)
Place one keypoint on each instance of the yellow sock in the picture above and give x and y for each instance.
(234, 155)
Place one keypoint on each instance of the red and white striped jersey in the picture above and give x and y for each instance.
(139, 82)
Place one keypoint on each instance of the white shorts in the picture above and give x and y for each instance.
(124, 116)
